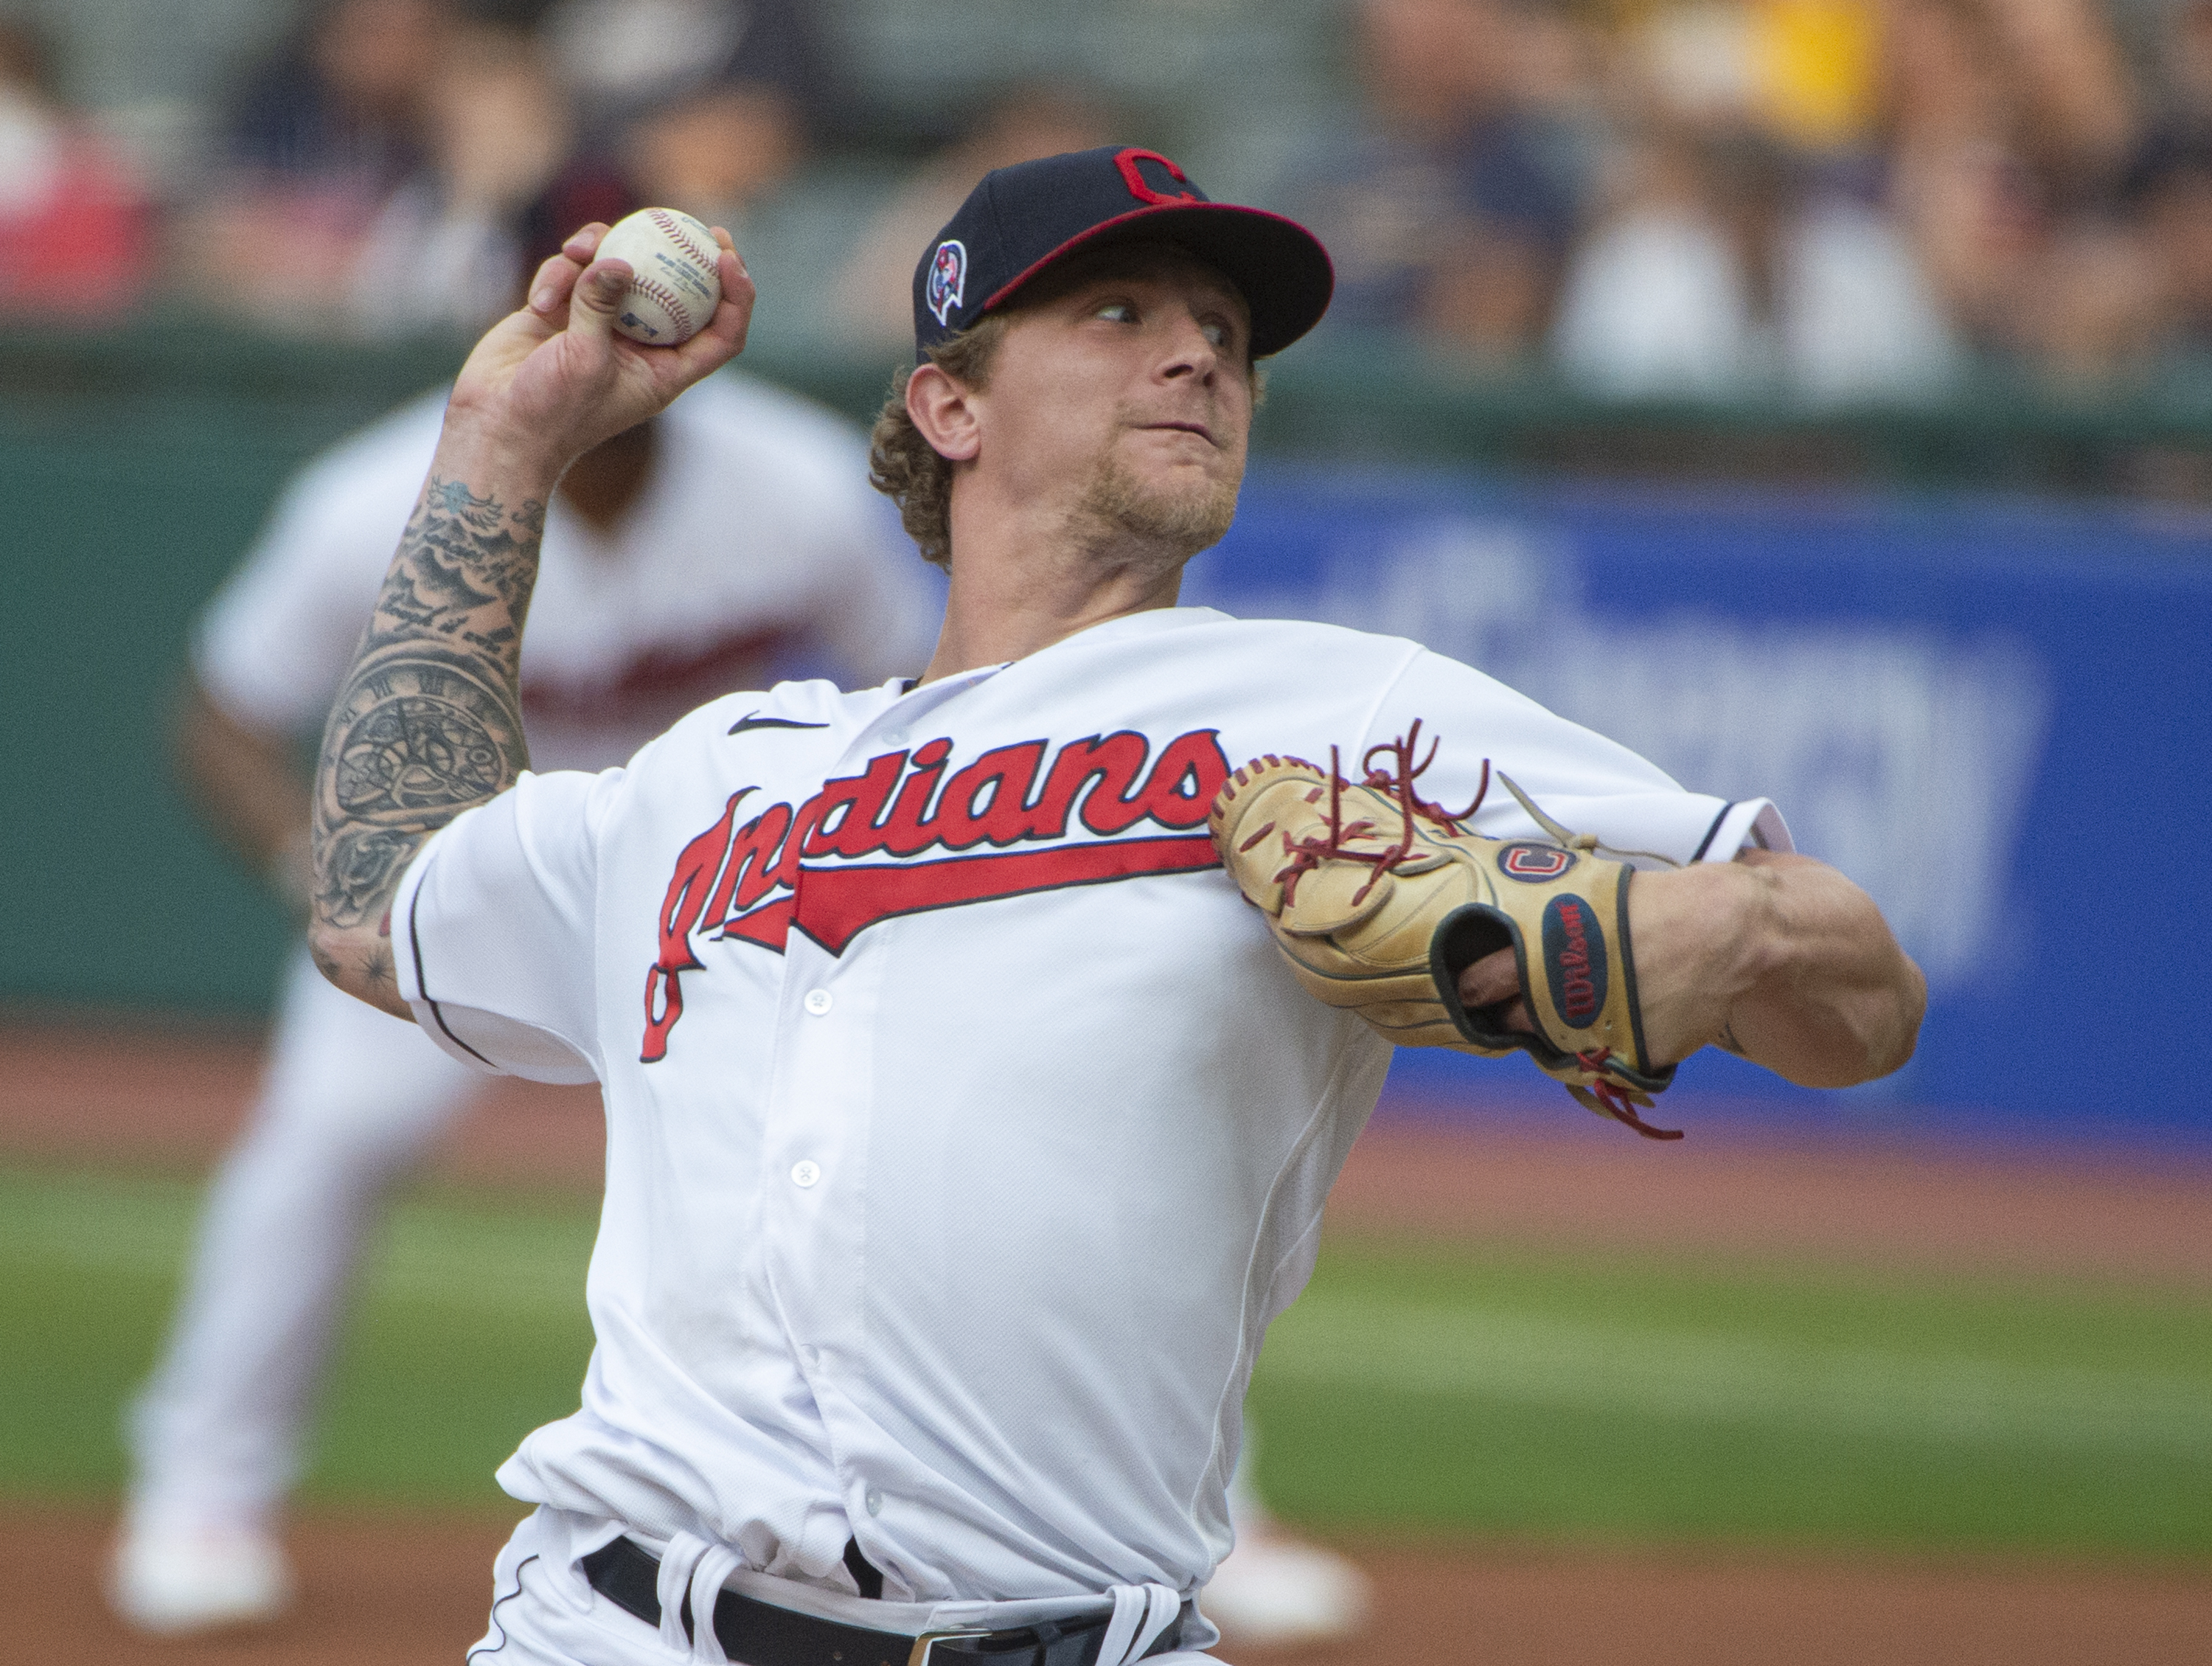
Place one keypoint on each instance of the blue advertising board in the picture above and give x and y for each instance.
(1991, 714)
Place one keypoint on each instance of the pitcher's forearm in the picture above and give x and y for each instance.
(1778, 958)
(248, 785)
(1837, 1002)
(427, 722)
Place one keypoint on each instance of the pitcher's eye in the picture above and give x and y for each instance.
(1117, 312)
(1215, 333)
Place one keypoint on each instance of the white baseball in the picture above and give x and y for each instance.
(675, 285)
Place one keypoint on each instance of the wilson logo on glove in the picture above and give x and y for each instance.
(1574, 960)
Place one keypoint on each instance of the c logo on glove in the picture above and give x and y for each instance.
(1535, 862)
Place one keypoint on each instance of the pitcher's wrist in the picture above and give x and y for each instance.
(496, 459)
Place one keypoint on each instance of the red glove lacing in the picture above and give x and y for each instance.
(1394, 780)
(1615, 1103)
(1308, 853)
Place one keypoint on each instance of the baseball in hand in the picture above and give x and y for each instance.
(675, 284)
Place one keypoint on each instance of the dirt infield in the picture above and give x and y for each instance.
(387, 1589)
(395, 1591)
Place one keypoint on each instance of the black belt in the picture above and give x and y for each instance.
(760, 1633)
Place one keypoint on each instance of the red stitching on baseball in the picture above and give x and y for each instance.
(678, 233)
(653, 289)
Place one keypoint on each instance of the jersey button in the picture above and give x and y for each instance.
(805, 1173)
(817, 1002)
(874, 1500)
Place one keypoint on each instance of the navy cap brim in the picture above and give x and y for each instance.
(1279, 267)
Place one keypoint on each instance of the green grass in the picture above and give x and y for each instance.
(472, 1333)
(1624, 1398)
(1447, 1388)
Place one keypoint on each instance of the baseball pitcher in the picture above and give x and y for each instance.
(978, 1049)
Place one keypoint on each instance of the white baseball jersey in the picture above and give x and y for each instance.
(965, 1130)
(755, 550)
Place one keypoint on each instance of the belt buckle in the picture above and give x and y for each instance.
(929, 1640)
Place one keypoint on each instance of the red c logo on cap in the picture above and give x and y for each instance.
(1128, 161)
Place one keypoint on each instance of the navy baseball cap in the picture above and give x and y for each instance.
(1022, 221)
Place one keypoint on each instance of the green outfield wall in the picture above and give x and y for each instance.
(136, 465)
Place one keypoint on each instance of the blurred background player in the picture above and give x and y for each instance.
(729, 544)
(708, 106)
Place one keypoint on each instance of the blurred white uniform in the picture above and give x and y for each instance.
(755, 550)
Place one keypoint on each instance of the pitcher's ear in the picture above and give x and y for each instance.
(945, 413)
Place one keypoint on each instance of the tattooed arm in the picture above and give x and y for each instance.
(429, 721)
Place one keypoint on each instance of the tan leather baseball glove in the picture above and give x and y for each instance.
(1379, 900)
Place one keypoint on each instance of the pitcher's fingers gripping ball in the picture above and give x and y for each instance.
(1379, 900)
(676, 283)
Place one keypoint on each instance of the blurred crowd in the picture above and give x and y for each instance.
(388, 169)
(1849, 199)
(1840, 200)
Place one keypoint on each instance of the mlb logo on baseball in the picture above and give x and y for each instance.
(948, 278)
(1537, 861)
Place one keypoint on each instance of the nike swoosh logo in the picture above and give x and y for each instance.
(757, 723)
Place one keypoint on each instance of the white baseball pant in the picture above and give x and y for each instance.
(351, 1101)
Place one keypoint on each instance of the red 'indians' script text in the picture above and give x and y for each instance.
(754, 879)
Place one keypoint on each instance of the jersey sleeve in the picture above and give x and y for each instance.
(493, 929)
(1575, 775)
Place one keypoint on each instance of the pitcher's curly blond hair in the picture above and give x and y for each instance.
(905, 468)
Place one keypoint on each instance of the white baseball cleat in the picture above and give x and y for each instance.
(1273, 1589)
(173, 1581)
